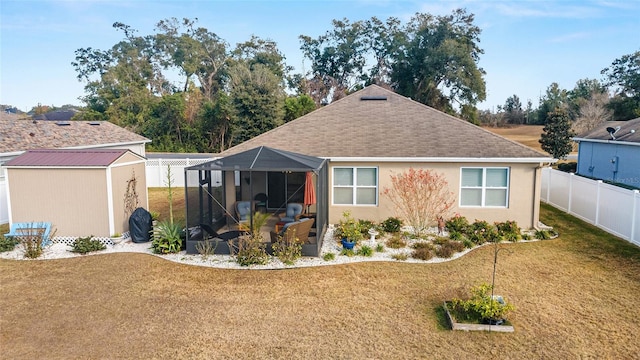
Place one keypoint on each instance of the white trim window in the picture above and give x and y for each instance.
(484, 187)
(355, 186)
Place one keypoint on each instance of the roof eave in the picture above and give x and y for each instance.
(532, 160)
(609, 141)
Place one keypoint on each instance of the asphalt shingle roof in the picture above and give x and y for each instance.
(375, 122)
(21, 135)
(629, 131)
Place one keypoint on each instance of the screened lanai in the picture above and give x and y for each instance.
(269, 178)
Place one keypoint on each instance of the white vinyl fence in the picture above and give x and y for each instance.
(157, 171)
(4, 202)
(612, 208)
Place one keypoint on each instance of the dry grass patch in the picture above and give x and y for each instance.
(575, 297)
(527, 135)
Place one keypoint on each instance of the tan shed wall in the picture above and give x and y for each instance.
(73, 200)
(120, 176)
(524, 193)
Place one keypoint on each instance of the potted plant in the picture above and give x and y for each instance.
(349, 231)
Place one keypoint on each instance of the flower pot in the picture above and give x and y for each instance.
(348, 245)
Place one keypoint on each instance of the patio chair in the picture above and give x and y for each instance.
(243, 210)
(299, 229)
(292, 213)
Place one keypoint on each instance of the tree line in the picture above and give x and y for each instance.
(188, 90)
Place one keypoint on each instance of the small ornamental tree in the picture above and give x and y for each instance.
(556, 139)
(420, 196)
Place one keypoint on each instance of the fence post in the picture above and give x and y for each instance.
(634, 213)
(598, 184)
(548, 185)
(571, 177)
(160, 172)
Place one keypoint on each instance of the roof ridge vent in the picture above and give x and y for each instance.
(94, 123)
(373, 98)
(63, 123)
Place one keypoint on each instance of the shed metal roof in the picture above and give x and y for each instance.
(67, 158)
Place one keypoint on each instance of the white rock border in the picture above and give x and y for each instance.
(330, 245)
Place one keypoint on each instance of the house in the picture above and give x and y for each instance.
(81, 192)
(19, 135)
(611, 152)
(375, 133)
(57, 115)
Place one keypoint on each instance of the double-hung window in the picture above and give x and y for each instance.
(355, 186)
(485, 187)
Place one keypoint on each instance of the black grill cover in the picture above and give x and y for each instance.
(140, 226)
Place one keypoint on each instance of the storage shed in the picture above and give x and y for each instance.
(80, 192)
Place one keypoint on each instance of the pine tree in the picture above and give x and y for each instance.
(556, 139)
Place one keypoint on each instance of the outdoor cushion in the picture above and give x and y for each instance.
(243, 210)
(292, 213)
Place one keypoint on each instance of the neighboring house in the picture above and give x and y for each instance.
(58, 115)
(375, 133)
(611, 152)
(19, 135)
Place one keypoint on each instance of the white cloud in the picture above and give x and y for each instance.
(571, 37)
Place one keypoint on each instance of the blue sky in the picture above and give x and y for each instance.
(528, 44)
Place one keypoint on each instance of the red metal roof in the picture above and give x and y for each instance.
(97, 157)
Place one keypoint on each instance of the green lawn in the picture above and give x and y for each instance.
(575, 297)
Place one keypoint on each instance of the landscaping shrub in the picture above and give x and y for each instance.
(250, 250)
(509, 231)
(347, 252)
(468, 243)
(83, 245)
(400, 256)
(481, 307)
(422, 250)
(543, 235)
(379, 248)
(32, 240)
(206, 248)
(392, 225)
(447, 249)
(288, 251)
(569, 167)
(396, 241)
(365, 226)
(439, 240)
(365, 251)
(8, 244)
(329, 256)
(526, 236)
(457, 224)
(166, 238)
(481, 231)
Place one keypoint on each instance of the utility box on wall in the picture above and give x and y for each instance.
(81, 192)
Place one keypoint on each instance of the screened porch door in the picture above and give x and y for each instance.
(284, 188)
